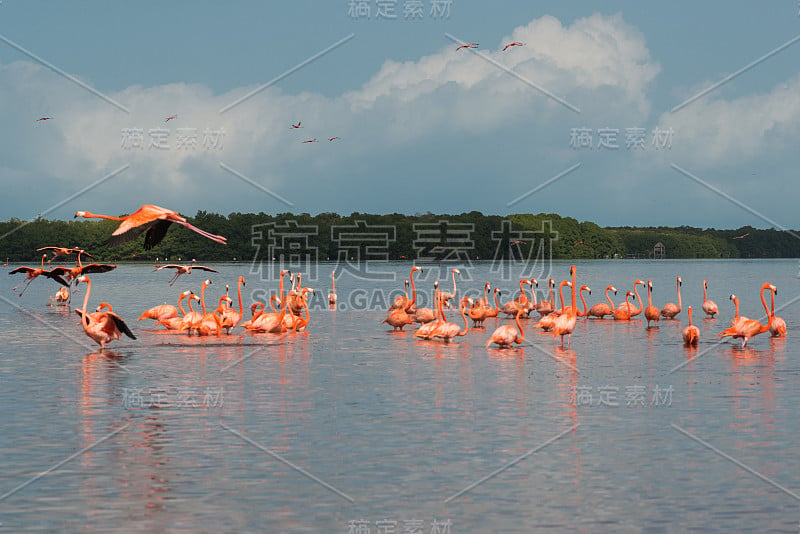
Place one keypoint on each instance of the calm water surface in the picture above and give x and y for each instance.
(350, 425)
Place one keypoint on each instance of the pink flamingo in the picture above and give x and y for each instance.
(468, 45)
(546, 307)
(426, 315)
(43, 119)
(447, 331)
(670, 310)
(183, 269)
(296, 126)
(709, 306)
(777, 326)
(651, 313)
(565, 323)
(403, 302)
(602, 309)
(747, 328)
(506, 335)
(446, 297)
(170, 118)
(310, 141)
(102, 326)
(623, 312)
(174, 323)
(230, 317)
(154, 220)
(691, 334)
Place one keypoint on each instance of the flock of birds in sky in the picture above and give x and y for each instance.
(104, 325)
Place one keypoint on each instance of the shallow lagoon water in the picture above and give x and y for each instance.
(350, 425)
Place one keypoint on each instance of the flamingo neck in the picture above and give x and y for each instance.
(239, 291)
(202, 298)
(638, 298)
(552, 284)
(522, 290)
(521, 337)
(190, 306)
(533, 294)
(333, 283)
(704, 290)
(560, 292)
(496, 304)
(109, 217)
(486, 293)
(180, 304)
(678, 285)
(574, 300)
(414, 287)
(584, 305)
(736, 303)
(764, 301)
(650, 295)
(86, 302)
(690, 314)
(463, 315)
(453, 273)
(611, 304)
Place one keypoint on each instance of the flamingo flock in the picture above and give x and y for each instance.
(292, 311)
(561, 322)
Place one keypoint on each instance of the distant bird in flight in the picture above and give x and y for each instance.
(183, 269)
(170, 118)
(154, 220)
(742, 236)
(515, 43)
(579, 243)
(44, 119)
(62, 251)
(310, 141)
(469, 45)
(517, 243)
(332, 138)
(295, 126)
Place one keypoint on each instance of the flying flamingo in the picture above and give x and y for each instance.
(152, 219)
(777, 326)
(332, 138)
(709, 306)
(741, 236)
(651, 313)
(468, 45)
(102, 326)
(579, 243)
(183, 269)
(447, 296)
(170, 118)
(72, 273)
(32, 273)
(747, 328)
(310, 141)
(670, 310)
(509, 45)
(691, 334)
(43, 119)
(565, 323)
(623, 312)
(506, 335)
(602, 309)
(546, 307)
(62, 251)
(296, 126)
(447, 331)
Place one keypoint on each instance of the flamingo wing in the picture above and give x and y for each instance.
(52, 276)
(25, 270)
(155, 233)
(121, 326)
(97, 268)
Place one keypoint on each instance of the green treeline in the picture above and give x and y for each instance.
(362, 236)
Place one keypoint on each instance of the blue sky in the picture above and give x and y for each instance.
(422, 127)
